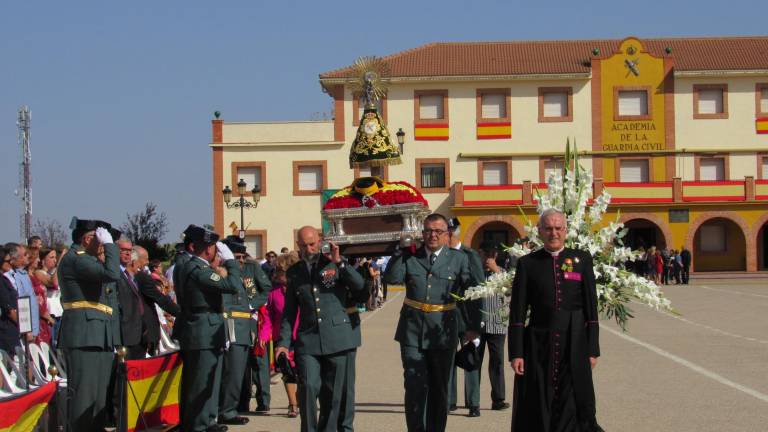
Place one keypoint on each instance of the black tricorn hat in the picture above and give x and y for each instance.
(453, 223)
(87, 224)
(194, 234)
(467, 357)
(235, 244)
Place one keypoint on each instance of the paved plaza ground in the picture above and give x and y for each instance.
(704, 370)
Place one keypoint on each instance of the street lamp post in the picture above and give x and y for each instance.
(241, 203)
(400, 139)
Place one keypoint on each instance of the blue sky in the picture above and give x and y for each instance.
(122, 93)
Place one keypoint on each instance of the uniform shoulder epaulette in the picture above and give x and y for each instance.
(80, 252)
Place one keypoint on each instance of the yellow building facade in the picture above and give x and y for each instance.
(675, 129)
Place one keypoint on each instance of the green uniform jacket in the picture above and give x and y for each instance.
(437, 284)
(239, 302)
(257, 288)
(320, 299)
(202, 322)
(82, 277)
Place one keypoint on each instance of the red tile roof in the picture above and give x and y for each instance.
(558, 57)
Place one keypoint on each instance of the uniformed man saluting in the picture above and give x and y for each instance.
(430, 321)
(88, 332)
(318, 289)
(202, 332)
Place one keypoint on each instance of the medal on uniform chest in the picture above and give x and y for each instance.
(327, 277)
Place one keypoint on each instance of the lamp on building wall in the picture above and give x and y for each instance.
(241, 203)
(400, 139)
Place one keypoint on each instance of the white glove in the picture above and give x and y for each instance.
(476, 341)
(224, 252)
(103, 235)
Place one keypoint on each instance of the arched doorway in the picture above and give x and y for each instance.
(642, 233)
(500, 233)
(719, 244)
(762, 247)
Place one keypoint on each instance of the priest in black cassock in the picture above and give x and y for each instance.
(554, 354)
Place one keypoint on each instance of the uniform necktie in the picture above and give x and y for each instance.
(432, 258)
(135, 291)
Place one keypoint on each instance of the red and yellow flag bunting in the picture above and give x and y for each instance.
(155, 384)
(21, 413)
(431, 132)
(761, 124)
(499, 130)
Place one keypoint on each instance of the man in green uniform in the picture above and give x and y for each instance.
(471, 378)
(328, 333)
(257, 288)
(237, 312)
(202, 332)
(89, 330)
(428, 330)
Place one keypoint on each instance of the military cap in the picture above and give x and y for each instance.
(87, 224)
(194, 233)
(453, 223)
(235, 244)
(186, 239)
(467, 357)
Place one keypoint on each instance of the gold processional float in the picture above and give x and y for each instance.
(372, 217)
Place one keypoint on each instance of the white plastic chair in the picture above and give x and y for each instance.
(13, 379)
(49, 353)
(166, 343)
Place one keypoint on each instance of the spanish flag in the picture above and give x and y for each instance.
(431, 132)
(21, 413)
(762, 125)
(494, 130)
(152, 393)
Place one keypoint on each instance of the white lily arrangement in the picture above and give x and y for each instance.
(616, 286)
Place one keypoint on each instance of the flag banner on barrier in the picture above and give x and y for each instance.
(20, 413)
(152, 391)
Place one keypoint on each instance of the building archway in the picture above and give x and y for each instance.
(497, 228)
(738, 240)
(645, 231)
(760, 228)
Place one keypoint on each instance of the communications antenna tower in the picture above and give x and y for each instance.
(25, 173)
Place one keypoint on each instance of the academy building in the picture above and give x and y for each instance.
(675, 129)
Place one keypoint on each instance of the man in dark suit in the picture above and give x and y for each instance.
(9, 317)
(318, 290)
(428, 330)
(685, 257)
(131, 305)
(150, 296)
(553, 355)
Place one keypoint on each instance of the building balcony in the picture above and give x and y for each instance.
(676, 191)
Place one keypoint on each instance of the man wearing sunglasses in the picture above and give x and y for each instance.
(428, 330)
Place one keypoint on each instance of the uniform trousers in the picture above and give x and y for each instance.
(324, 377)
(471, 388)
(495, 343)
(88, 376)
(235, 363)
(200, 384)
(426, 376)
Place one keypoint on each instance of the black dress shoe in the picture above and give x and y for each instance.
(452, 408)
(499, 406)
(236, 420)
(474, 412)
(262, 409)
(217, 428)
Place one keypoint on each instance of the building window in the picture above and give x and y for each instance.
(494, 173)
(710, 101)
(761, 99)
(432, 175)
(381, 172)
(358, 107)
(309, 177)
(634, 171)
(493, 105)
(255, 242)
(254, 173)
(712, 169)
(555, 104)
(713, 238)
(632, 103)
(431, 106)
(551, 167)
(762, 166)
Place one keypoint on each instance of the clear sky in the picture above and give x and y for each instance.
(122, 93)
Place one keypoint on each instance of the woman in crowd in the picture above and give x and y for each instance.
(659, 267)
(41, 294)
(49, 278)
(650, 264)
(270, 326)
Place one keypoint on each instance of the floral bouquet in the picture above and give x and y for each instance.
(616, 286)
(373, 192)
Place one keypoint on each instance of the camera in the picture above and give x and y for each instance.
(325, 247)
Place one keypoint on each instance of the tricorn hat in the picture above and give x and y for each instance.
(467, 357)
(453, 223)
(235, 244)
(194, 234)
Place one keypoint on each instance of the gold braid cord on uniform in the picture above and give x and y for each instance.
(373, 144)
